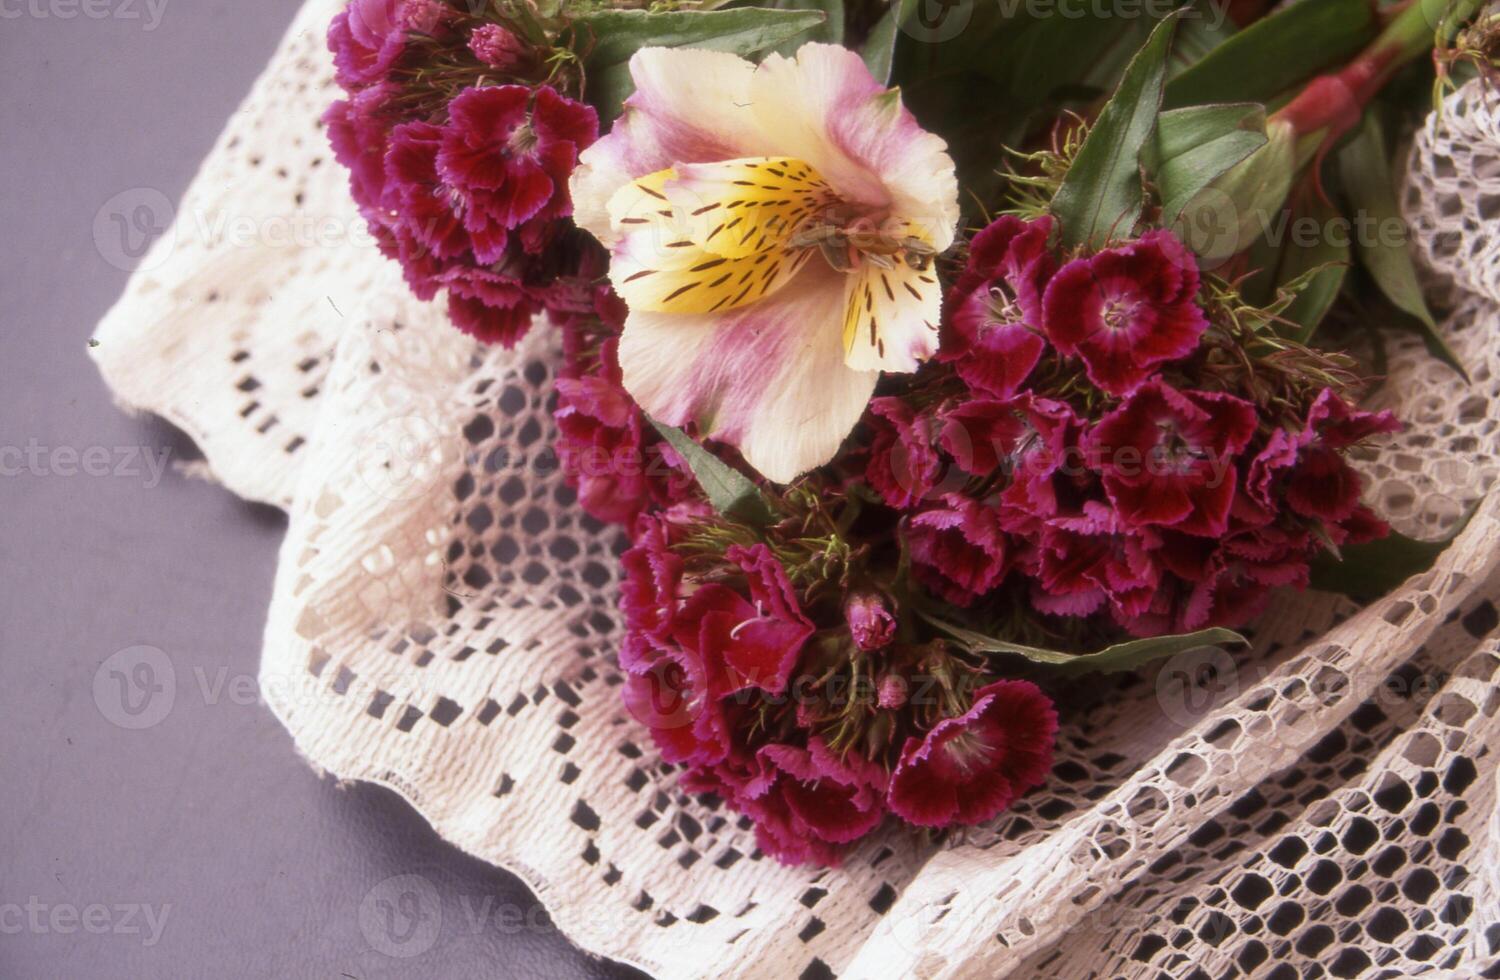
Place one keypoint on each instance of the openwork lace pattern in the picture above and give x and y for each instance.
(444, 622)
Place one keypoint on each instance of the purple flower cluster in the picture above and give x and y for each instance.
(469, 192)
(1169, 507)
(702, 656)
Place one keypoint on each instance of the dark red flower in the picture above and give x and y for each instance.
(806, 801)
(608, 453)
(685, 655)
(1051, 474)
(968, 769)
(474, 204)
(358, 133)
(996, 320)
(957, 551)
(904, 467)
(488, 305)
(651, 591)
(1126, 310)
(1084, 563)
(1308, 470)
(424, 205)
(1167, 457)
(672, 697)
(760, 643)
(983, 434)
(506, 160)
(366, 38)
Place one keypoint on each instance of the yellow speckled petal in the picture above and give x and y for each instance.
(660, 270)
(891, 317)
(739, 207)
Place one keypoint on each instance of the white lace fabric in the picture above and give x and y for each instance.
(444, 622)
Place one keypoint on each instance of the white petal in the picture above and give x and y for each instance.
(769, 378)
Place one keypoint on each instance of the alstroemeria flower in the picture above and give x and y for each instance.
(772, 231)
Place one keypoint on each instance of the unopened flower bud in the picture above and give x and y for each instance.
(424, 16)
(870, 622)
(893, 692)
(497, 47)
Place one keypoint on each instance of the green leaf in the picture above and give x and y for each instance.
(1194, 146)
(1310, 268)
(1365, 572)
(1203, 29)
(1122, 656)
(1274, 54)
(1369, 185)
(879, 51)
(618, 34)
(1102, 193)
(831, 31)
(1315, 290)
(728, 490)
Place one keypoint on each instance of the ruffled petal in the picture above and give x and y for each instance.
(667, 122)
(768, 378)
(824, 106)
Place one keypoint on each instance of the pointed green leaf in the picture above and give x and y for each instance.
(1202, 31)
(619, 34)
(1369, 185)
(728, 490)
(1275, 53)
(1310, 267)
(879, 51)
(1365, 572)
(831, 31)
(1122, 656)
(1102, 195)
(1194, 146)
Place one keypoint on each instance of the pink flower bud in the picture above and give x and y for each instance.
(870, 622)
(424, 16)
(893, 691)
(497, 47)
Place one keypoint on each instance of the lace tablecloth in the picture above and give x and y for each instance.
(444, 623)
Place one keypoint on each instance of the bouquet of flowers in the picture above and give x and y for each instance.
(922, 388)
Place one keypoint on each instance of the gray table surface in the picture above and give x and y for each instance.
(200, 845)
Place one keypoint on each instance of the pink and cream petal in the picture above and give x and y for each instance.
(824, 106)
(769, 378)
(667, 122)
(890, 317)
